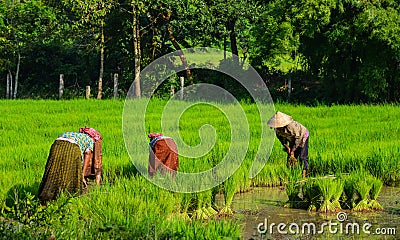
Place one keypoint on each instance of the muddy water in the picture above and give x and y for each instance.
(261, 210)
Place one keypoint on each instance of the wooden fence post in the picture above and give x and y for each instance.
(61, 88)
(115, 85)
(182, 85)
(87, 92)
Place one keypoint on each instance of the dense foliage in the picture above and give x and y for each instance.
(332, 51)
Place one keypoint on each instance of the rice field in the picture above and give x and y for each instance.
(343, 140)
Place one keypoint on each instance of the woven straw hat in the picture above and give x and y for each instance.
(279, 120)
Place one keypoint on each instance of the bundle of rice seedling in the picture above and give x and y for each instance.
(327, 188)
(207, 203)
(229, 189)
(244, 182)
(311, 194)
(291, 161)
(186, 200)
(374, 193)
(362, 187)
(339, 188)
(350, 194)
(293, 188)
(204, 209)
(293, 191)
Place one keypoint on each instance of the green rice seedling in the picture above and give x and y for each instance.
(203, 206)
(311, 195)
(362, 187)
(207, 203)
(374, 193)
(376, 164)
(229, 189)
(339, 188)
(243, 178)
(186, 202)
(271, 177)
(350, 192)
(293, 190)
(210, 229)
(327, 187)
(215, 190)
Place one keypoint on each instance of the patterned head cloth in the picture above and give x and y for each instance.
(154, 135)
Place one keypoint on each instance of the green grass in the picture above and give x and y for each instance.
(342, 139)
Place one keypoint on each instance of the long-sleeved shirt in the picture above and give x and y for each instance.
(294, 133)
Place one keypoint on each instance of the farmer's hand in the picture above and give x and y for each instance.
(291, 154)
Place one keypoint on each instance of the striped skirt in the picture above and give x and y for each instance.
(63, 171)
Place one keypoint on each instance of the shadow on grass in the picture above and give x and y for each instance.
(20, 191)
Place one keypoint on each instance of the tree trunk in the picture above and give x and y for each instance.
(11, 84)
(178, 48)
(100, 89)
(181, 55)
(137, 52)
(8, 86)
(16, 77)
(230, 26)
(224, 47)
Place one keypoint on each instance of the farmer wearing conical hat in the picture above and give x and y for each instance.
(293, 136)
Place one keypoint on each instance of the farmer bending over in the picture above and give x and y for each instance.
(73, 157)
(289, 131)
(163, 155)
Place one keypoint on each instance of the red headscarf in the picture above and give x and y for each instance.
(154, 135)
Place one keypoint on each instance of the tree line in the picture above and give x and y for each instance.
(329, 51)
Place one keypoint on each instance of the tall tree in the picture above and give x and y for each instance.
(23, 24)
(351, 47)
(92, 14)
(136, 12)
(232, 19)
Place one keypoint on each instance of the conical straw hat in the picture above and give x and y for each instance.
(279, 120)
